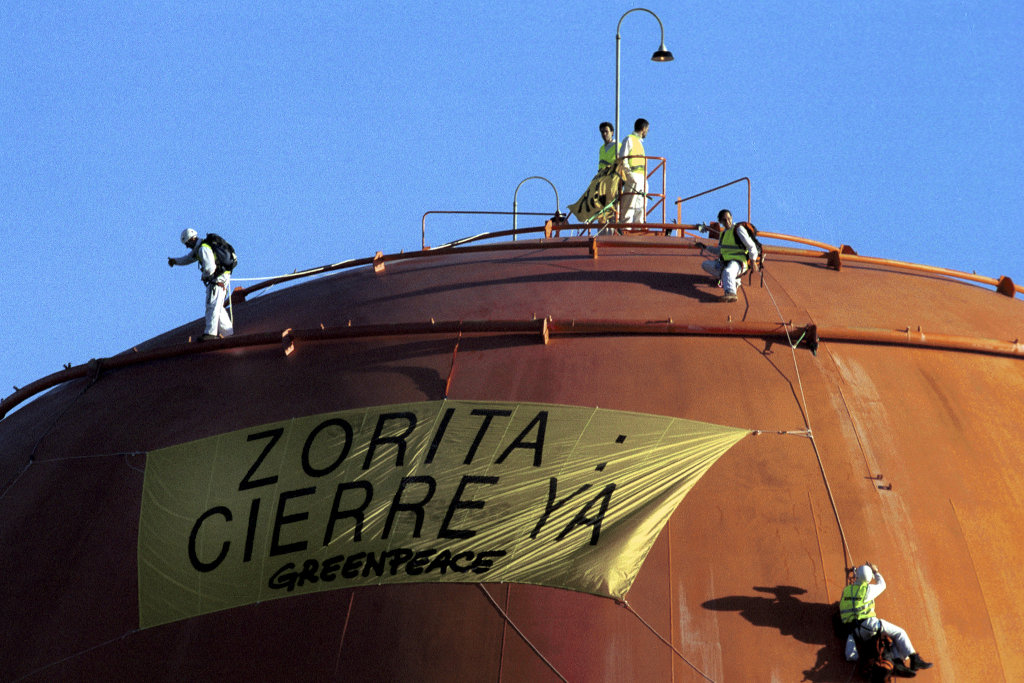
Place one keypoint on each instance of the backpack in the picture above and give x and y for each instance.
(752, 231)
(223, 253)
(875, 663)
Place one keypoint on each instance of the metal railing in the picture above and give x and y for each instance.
(679, 202)
(513, 232)
(836, 257)
(662, 165)
(542, 329)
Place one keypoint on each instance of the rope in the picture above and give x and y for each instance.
(792, 432)
(32, 456)
(596, 215)
(231, 308)
(662, 639)
(522, 635)
(76, 654)
(344, 630)
(810, 432)
(451, 371)
(298, 273)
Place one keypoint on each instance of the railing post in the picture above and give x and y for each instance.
(716, 189)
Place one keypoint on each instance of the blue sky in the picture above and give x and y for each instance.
(312, 132)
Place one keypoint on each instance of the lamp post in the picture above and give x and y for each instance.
(515, 204)
(660, 55)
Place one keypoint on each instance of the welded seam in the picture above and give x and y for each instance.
(662, 639)
(522, 635)
(32, 456)
(974, 568)
(504, 632)
(17, 477)
(671, 594)
(853, 424)
(821, 552)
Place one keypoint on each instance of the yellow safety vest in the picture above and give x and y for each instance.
(606, 156)
(730, 247)
(853, 608)
(636, 153)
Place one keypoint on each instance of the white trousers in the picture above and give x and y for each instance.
(217, 319)
(634, 199)
(730, 273)
(901, 646)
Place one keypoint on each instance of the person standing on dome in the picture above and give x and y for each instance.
(857, 610)
(606, 155)
(737, 253)
(216, 278)
(634, 193)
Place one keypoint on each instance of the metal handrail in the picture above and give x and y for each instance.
(543, 328)
(679, 202)
(664, 195)
(663, 165)
(515, 200)
(423, 222)
(842, 254)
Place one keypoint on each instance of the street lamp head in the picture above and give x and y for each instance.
(662, 55)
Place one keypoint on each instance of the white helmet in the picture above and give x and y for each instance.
(187, 235)
(865, 573)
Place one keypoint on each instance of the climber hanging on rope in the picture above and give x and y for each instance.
(857, 612)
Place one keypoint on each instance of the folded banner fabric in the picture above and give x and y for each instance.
(601, 192)
(442, 491)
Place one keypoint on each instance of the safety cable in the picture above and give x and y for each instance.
(522, 635)
(301, 273)
(662, 639)
(32, 455)
(344, 630)
(807, 423)
(76, 654)
(451, 371)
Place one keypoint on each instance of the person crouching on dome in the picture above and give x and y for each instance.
(737, 253)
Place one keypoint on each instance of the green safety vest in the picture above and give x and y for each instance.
(853, 608)
(606, 156)
(731, 247)
(636, 154)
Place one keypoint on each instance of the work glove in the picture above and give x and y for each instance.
(170, 261)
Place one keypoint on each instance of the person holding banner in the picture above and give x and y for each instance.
(606, 156)
(598, 202)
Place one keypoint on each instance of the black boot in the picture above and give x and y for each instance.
(916, 663)
(901, 670)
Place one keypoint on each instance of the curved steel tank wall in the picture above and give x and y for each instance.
(911, 455)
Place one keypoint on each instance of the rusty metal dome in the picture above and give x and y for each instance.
(883, 403)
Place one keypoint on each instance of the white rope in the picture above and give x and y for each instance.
(663, 640)
(296, 273)
(519, 631)
(76, 654)
(807, 423)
